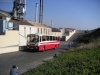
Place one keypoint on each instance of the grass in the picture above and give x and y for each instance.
(83, 62)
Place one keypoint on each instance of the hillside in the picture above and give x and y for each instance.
(89, 36)
(81, 60)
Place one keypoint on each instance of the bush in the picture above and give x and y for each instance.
(84, 62)
(89, 37)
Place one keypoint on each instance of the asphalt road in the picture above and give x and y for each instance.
(27, 60)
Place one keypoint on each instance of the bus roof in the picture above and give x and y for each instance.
(40, 35)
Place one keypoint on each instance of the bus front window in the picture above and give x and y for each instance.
(34, 38)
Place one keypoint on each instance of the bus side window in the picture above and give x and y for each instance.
(47, 37)
(53, 38)
(50, 38)
(43, 38)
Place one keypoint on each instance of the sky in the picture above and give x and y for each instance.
(78, 14)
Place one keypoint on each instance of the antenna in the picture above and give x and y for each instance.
(51, 23)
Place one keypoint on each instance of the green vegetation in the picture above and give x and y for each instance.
(81, 60)
(89, 37)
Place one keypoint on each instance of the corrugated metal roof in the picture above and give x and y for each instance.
(21, 22)
(38, 24)
(55, 30)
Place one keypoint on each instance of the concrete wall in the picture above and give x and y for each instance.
(9, 42)
(70, 34)
(67, 36)
(24, 30)
(62, 31)
(57, 34)
(44, 30)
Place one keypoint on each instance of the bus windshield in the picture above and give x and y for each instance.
(33, 38)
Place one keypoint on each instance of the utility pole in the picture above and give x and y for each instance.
(51, 23)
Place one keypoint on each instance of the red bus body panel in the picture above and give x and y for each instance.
(46, 45)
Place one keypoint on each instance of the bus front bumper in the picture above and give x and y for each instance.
(32, 47)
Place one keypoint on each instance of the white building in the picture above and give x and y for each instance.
(42, 28)
(24, 28)
(67, 33)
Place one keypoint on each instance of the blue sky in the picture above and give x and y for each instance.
(78, 14)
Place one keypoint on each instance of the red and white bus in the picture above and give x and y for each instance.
(42, 42)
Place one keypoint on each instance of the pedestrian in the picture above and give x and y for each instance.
(55, 56)
(69, 45)
(14, 70)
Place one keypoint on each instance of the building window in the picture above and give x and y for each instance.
(41, 30)
(38, 30)
(30, 30)
(0, 17)
(24, 31)
(46, 31)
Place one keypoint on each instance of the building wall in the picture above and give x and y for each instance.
(8, 18)
(70, 34)
(44, 30)
(57, 34)
(62, 31)
(24, 30)
(9, 42)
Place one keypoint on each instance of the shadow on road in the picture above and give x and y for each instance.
(30, 51)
